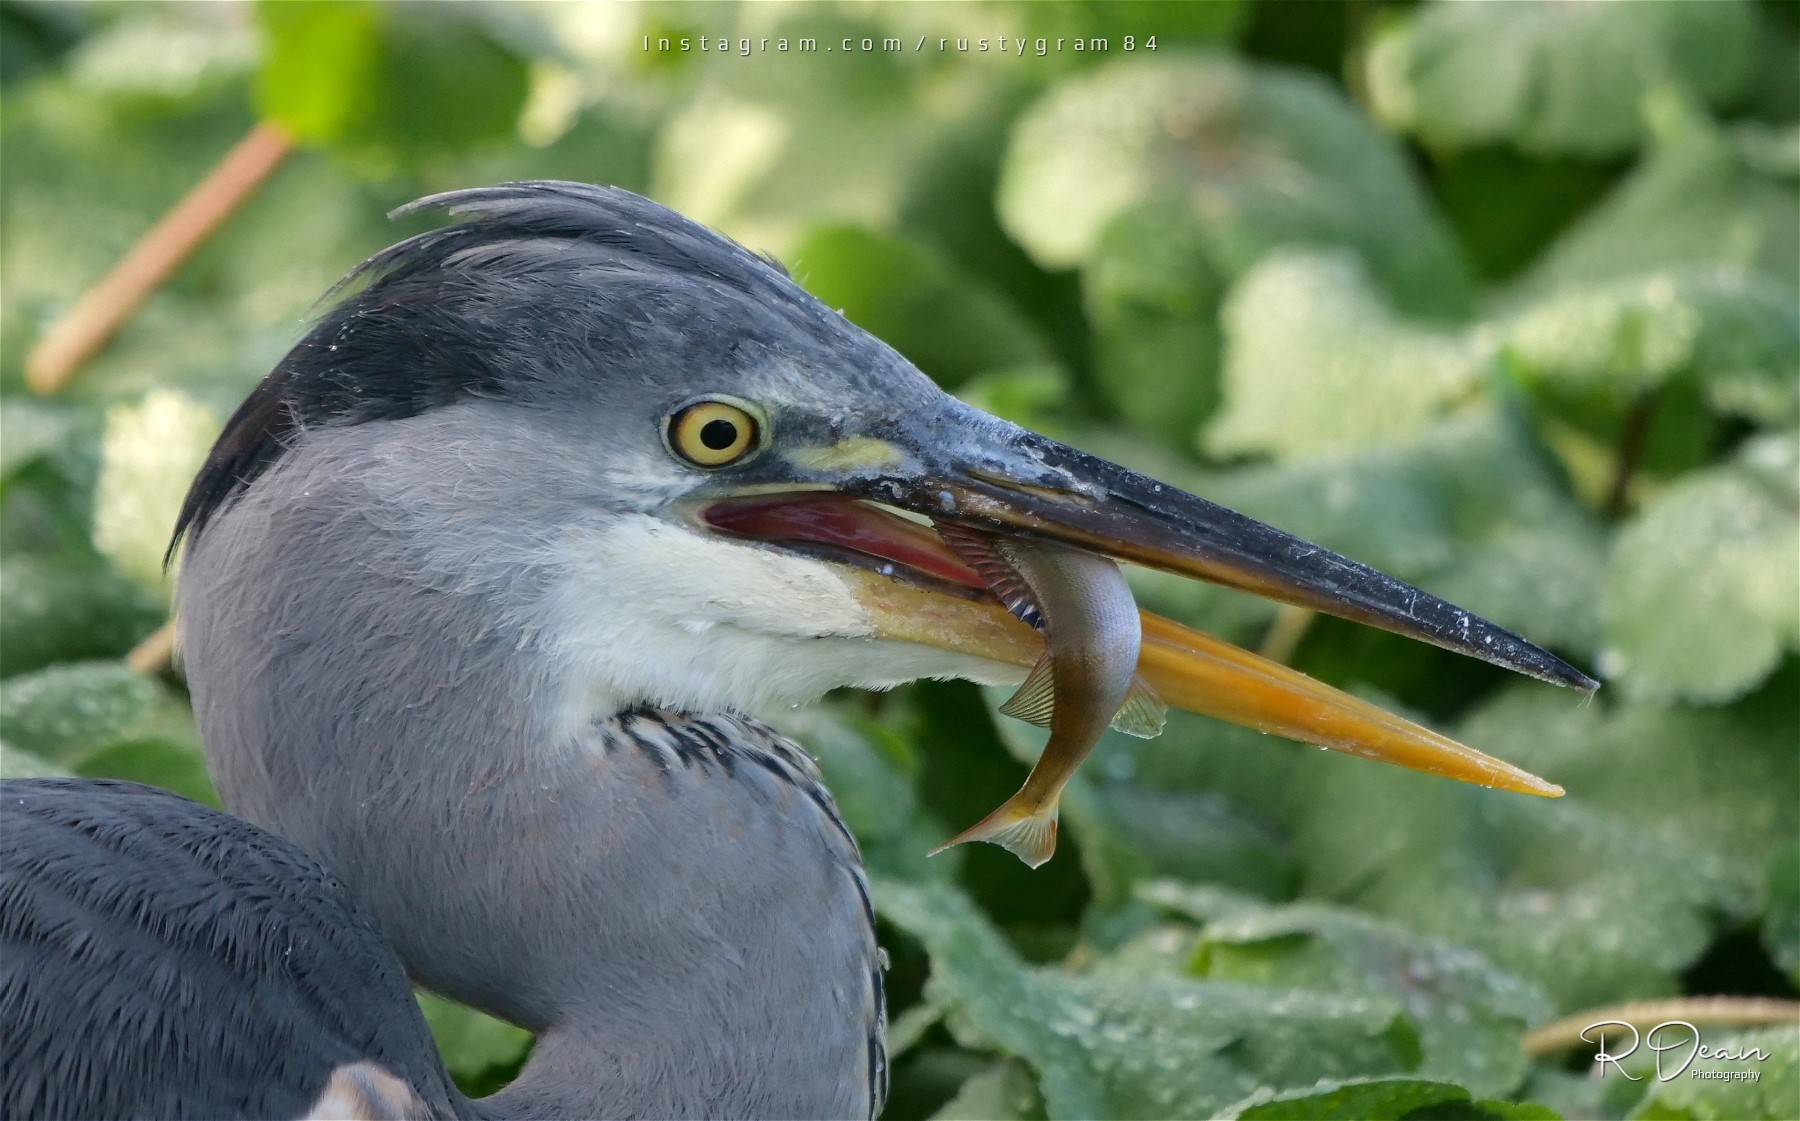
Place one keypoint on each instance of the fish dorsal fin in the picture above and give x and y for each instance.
(1036, 699)
(1143, 713)
(1012, 592)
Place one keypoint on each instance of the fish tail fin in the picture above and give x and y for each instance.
(1026, 832)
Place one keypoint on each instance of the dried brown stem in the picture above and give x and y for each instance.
(110, 304)
(156, 653)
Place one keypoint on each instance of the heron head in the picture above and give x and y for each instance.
(698, 487)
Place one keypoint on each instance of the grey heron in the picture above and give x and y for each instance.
(483, 586)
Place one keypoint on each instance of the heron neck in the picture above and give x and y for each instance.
(668, 900)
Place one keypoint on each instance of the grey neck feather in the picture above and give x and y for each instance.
(669, 900)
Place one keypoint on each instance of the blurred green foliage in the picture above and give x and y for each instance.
(1498, 297)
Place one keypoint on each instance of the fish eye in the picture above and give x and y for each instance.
(713, 432)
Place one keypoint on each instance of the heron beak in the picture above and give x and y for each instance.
(1001, 479)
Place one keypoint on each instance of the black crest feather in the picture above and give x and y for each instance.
(427, 322)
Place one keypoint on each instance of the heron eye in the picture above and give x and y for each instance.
(712, 433)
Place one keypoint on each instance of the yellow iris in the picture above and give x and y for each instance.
(712, 433)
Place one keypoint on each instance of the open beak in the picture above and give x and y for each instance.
(1000, 479)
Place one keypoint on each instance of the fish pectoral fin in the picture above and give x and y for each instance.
(1143, 713)
(1036, 699)
(1028, 834)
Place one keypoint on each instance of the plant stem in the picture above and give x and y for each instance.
(1286, 632)
(1631, 451)
(87, 327)
(156, 653)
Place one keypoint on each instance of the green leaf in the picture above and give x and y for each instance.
(36, 40)
(1169, 24)
(156, 52)
(1129, 832)
(1700, 198)
(770, 146)
(1511, 882)
(1701, 598)
(1773, 1096)
(872, 775)
(1113, 1047)
(1781, 909)
(1469, 1015)
(320, 65)
(482, 1053)
(377, 81)
(431, 60)
(1315, 361)
(1714, 783)
(1506, 207)
(23, 764)
(1257, 156)
(1569, 1094)
(1152, 292)
(1159, 372)
(1155, 256)
(1602, 896)
(1003, 1092)
(950, 325)
(29, 431)
(55, 609)
(1160, 949)
(172, 765)
(70, 714)
(1554, 79)
(1384, 1099)
(1517, 548)
(1736, 332)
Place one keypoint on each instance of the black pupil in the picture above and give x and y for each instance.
(718, 434)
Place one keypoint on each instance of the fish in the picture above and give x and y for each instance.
(1085, 681)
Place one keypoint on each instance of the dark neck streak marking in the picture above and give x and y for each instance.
(674, 740)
